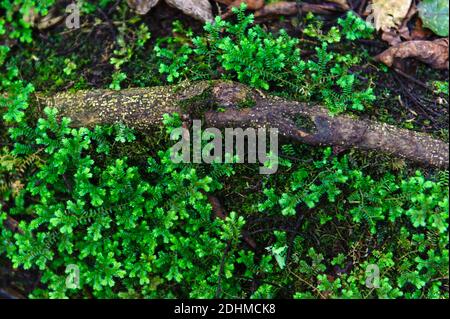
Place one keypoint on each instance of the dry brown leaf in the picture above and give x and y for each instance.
(385, 14)
(142, 6)
(419, 32)
(198, 9)
(391, 37)
(395, 37)
(402, 32)
(434, 53)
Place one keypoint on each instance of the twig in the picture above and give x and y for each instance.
(418, 103)
(412, 79)
(308, 283)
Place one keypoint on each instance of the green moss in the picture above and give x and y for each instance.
(305, 123)
(198, 104)
(249, 102)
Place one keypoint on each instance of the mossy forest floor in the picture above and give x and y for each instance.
(341, 222)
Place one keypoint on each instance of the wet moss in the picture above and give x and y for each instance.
(199, 104)
(249, 102)
(305, 123)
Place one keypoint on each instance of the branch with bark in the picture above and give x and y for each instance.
(225, 104)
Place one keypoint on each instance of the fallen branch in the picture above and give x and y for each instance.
(143, 108)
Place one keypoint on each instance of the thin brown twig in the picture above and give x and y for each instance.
(412, 79)
(308, 283)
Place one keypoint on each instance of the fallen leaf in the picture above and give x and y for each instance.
(434, 53)
(142, 6)
(198, 9)
(385, 14)
(391, 37)
(419, 33)
(434, 14)
(395, 37)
